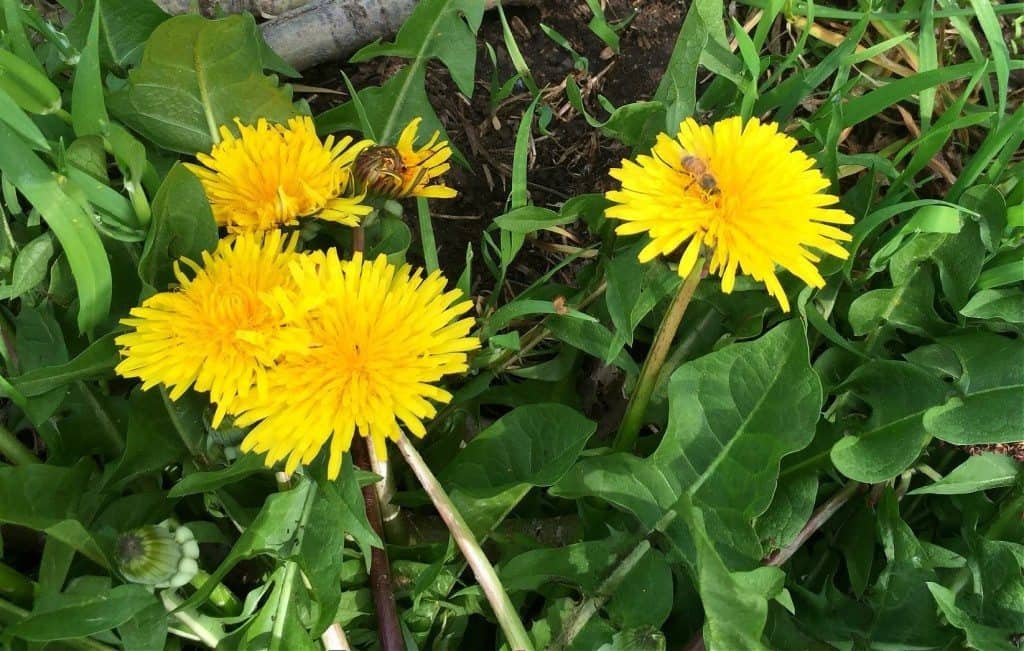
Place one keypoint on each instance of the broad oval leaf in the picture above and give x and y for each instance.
(533, 445)
(197, 75)
(893, 435)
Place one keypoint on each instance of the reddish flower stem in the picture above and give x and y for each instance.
(389, 630)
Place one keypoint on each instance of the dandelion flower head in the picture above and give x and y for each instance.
(405, 171)
(216, 333)
(271, 174)
(742, 192)
(381, 337)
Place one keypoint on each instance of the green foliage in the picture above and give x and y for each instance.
(195, 76)
(847, 476)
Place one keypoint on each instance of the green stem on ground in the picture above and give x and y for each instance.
(1011, 513)
(14, 449)
(427, 236)
(206, 629)
(605, 591)
(508, 618)
(818, 518)
(222, 598)
(633, 420)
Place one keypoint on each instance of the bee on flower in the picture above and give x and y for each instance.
(403, 170)
(741, 194)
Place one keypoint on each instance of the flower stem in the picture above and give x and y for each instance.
(390, 513)
(381, 587)
(605, 591)
(818, 518)
(334, 638)
(502, 606)
(207, 630)
(14, 449)
(633, 420)
(222, 598)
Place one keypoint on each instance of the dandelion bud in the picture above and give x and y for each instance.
(163, 556)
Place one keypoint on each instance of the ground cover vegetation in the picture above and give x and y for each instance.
(577, 325)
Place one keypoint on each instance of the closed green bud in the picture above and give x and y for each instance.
(163, 555)
(28, 87)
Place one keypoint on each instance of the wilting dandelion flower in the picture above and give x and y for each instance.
(403, 170)
(217, 332)
(272, 174)
(742, 193)
(381, 337)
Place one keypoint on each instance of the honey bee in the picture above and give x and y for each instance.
(380, 168)
(699, 172)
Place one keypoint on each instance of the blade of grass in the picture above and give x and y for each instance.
(1004, 140)
(928, 59)
(517, 57)
(871, 104)
(88, 111)
(68, 221)
(1000, 55)
(16, 36)
(427, 235)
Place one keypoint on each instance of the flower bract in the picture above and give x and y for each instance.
(271, 174)
(216, 332)
(741, 194)
(381, 337)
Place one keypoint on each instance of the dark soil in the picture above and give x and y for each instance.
(572, 160)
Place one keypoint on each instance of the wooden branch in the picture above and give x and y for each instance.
(310, 32)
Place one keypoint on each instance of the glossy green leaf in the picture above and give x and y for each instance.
(989, 408)
(733, 414)
(197, 75)
(85, 616)
(182, 227)
(909, 307)
(96, 361)
(530, 446)
(634, 289)
(983, 472)
(124, 27)
(88, 109)
(991, 304)
(14, 117)
(979, 636)
(47, 498)
(892, 436)
(30, 267)
(201, 482)
(442, 29)
(68, 221)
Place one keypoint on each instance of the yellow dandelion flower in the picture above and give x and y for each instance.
(404, 171)
(217, 332)
(382, 335)
(272, 174)
(744, 193)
